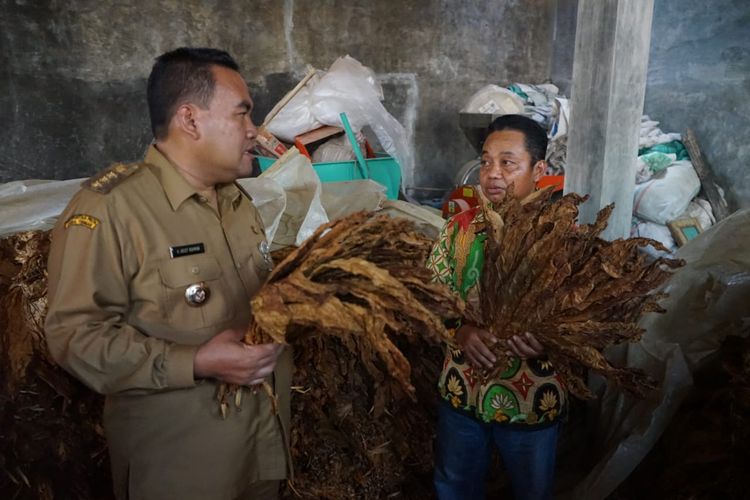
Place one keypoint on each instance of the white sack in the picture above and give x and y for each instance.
(665, 197)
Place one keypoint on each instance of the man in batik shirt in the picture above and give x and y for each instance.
(518, 411)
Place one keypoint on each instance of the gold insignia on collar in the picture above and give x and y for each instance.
(82, 220)
(106, 180)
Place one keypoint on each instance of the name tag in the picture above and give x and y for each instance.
(191, 249)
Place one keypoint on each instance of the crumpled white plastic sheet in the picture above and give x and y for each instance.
(708, 300)
(650, 134)
(269, 198)
(303, 212)
(291, 200)
(351, 88)
(33, 204)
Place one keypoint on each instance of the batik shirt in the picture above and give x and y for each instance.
(527, 392)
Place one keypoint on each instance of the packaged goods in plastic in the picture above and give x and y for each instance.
(665, 197)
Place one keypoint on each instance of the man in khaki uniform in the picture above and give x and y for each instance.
(151, 271)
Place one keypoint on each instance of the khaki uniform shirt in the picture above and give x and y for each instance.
(119, 321)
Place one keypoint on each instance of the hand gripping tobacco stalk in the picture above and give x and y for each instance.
(361, 279)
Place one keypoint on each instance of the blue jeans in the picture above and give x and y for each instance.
(464, 446)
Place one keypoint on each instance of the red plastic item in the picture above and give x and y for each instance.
(551, 180)
(462, 198)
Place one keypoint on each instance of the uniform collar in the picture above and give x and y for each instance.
(231, 193)
(177, 188)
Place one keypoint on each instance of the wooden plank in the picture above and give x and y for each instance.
(711, 190)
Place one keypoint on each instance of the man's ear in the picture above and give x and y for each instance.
(538, 170)
(186, 120)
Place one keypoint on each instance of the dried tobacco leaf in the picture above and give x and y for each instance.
(51, 438)
(576, 292)
(366, 320)
(361, 279)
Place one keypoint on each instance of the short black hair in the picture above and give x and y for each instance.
(179, 76)
(534, 135)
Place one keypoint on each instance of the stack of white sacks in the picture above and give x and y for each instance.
(666, 186)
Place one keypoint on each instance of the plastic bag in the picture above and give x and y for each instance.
(651, 164)
(707, 302)
(651, 135)
(34, 204)
(658, 232)
(701, 210)
(269, 198)
(492, 99)
(664, 198)
(296, 116)
(344, 198)
(337, 149)
(351, 88)
(303, 212)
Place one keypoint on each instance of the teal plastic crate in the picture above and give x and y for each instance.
(383, 169)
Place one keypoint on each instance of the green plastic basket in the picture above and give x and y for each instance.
(383, 169)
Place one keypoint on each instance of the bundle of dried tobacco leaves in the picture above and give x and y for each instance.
(359, 306)
(576, 292)
(361, 279)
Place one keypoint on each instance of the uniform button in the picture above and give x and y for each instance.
(197, 294)
(195, 269)
(202, 199)
(239, 265)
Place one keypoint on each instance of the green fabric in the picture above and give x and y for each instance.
(520, 93)
(656, 161)
(472, 270)
(673, 147)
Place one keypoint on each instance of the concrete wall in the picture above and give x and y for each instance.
(699, 77)
(563, 44)
(72, 88)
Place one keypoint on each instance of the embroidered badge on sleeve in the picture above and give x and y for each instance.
(82, 220)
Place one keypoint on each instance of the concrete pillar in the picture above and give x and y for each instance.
(607, 93)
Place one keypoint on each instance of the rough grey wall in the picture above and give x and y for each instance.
(72, 94)
(699, 77)
(563, 44)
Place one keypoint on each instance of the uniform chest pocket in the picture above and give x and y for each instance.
(193, 293)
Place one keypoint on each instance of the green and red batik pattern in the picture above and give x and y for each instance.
(527, 392)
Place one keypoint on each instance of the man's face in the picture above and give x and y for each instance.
(506, 161)
(227, 132)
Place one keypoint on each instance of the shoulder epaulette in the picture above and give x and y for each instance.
(107, 179)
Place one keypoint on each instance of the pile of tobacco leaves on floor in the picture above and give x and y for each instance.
(51, 439)
(705, 451)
